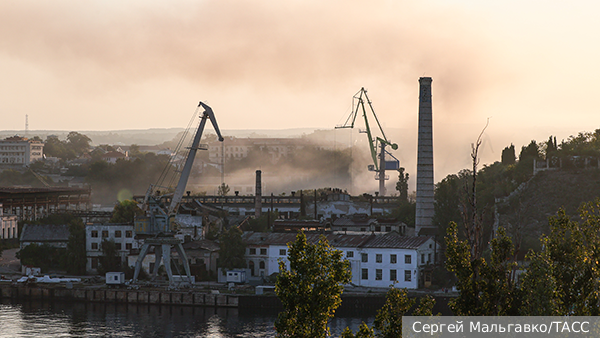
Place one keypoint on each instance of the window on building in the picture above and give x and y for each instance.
(363, 229)
(378, 258)
(104, 233)
(281, 252)
(128, 233)
(422, 258)
(393, 259)
(378, 228)
(365, 274)
(263, 251)
(407, 275)
(407, 259)
(378, 274)
(393, 276)
(364, 257)
(118, 233)
(388, 229)
(94, 233)
(261, 265)
(94, 246)
(252, 251)
(428, 258)
(94, 263)
(349, 254)
(118, 246)
(128, 246)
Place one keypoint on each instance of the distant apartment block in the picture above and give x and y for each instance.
(238, 148)
(20, 151)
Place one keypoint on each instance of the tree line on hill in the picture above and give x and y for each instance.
(499, 179)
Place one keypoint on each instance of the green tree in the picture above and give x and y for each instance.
(487, 287)
(44, 256)
(388, 322)
(223, 190)
(551, 147)
(508, 155)
(570, 261)
(539, 285)
(364, 331)
(53, 147)
(125, 212)
(402, 185)
(134, 151)
(232, 249)
(110, 259)
(263, 223)
(78, 143)
(75, 259)
(311, 290)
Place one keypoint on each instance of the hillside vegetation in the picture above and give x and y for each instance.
(525, 214)
(508, 194)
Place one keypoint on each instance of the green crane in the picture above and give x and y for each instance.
(380, 165)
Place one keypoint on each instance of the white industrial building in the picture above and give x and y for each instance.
(376, 260)
(8, 225)
(20, 151)
(122, 234)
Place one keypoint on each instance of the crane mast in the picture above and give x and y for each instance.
(380, 165)
(157, 225)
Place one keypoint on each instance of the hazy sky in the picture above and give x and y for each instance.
(530, 66)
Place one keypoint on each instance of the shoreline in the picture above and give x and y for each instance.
(191, 297)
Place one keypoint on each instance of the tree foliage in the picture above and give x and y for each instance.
(508, 155)
(75, 259)
(568, 265)
(388, 322)
(110, 259)
(487, 286)
(223, 190)
(311, 289)
(402, 186)
(232, 249)
(125, 212)
(44, 256)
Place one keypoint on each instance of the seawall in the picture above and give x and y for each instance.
(351, 302)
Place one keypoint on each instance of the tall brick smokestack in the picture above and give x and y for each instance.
(258, 195)
(425, 187)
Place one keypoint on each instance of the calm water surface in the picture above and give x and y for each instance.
(75, 319)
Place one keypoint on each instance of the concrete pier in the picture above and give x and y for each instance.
(106, 295)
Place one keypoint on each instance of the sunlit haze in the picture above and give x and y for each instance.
(531, 67)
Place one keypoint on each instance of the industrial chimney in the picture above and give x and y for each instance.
(425, 188)
(258, 195)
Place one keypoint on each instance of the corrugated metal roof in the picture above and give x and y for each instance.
(201, 244)
(395, 240)
(356, 220)
(45, 233)
(389, 240)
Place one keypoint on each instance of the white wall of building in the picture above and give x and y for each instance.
(20, 151)
(8, 225)
(122, 234)
(381, 270)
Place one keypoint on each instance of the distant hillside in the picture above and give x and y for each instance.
(541, 198)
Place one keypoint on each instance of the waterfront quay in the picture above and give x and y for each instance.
(122, 295)
(351, 301)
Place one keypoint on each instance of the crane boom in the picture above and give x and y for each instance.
(379, 166)
(187, 168)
